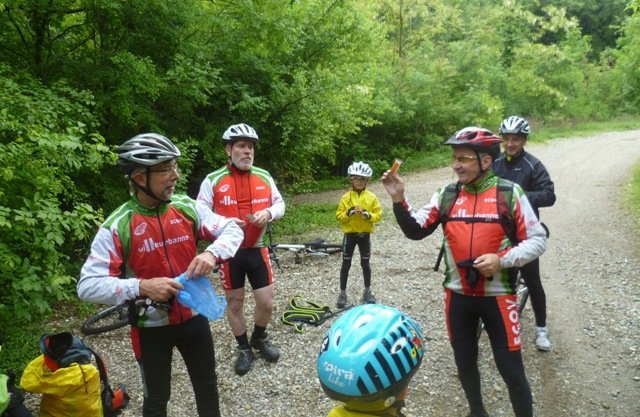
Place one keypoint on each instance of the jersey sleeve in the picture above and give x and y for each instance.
(541, 193)
(529, 231)
(277, 208)
(224, 232)
(100, 280)
(205, 194)
(418, 224)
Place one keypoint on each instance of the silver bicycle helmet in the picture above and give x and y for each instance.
(515, 125)
(146, 149)
(239, 131)
(360, 168)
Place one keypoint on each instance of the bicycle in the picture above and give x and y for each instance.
(318, 247)
(115, 317)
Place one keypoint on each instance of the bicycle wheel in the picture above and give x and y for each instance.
(110, 318)
(522, 292)
(328, 248)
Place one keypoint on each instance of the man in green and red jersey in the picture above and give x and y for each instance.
(139, 250)
(249, 195)
(478, 255)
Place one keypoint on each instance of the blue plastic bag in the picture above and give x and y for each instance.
(199, 295)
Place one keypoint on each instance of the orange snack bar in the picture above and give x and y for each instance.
(396, 165)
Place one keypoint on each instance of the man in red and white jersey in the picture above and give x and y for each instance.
(478, 254)
(136, 254)
(249, 196)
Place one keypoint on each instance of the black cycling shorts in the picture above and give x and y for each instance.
(251, 263)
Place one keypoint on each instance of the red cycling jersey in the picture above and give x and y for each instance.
(231, 192)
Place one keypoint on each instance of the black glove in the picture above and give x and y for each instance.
(351, 211)
(366, 214)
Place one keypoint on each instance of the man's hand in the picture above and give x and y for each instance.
(488, 264)
(394, 186)
(201, 265)
(261, 218)
(159, 289)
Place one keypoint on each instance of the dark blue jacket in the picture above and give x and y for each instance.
(527, 170)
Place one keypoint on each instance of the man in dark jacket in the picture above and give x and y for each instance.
(518, 165)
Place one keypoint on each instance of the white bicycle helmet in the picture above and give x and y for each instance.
(360, 169)
(146, 149)
(515, 125)
(239, 131)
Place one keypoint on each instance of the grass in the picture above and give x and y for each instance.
(633, 194)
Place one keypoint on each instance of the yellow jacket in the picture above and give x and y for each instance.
(356, 223)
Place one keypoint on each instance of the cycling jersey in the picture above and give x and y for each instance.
(356, 223)
(136, 242)
(467, 235)
(231, 192)
(527, 170)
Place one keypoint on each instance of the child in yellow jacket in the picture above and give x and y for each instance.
(357, 212)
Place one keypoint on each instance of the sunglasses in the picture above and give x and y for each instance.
(464, 159)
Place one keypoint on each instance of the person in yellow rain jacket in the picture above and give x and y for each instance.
(357, 212)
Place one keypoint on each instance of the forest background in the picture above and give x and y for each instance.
(324, 83)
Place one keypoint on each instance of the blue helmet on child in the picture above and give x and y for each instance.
(368, 357)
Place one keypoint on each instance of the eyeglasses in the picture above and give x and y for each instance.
(169, 169)
(464, 159)
(359, 178)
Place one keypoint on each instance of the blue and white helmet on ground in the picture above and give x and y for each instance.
(239, 131)
(369, 355)
(360, 169)
(515, 125)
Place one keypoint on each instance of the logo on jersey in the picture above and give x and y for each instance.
(260, 187)
(140, 229)
(224, 188)
(228, 201)
(461, 200)
(149, 245)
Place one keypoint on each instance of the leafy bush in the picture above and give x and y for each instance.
(45, 222)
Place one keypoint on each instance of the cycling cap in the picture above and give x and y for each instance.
(360, 168)
(369, 355)
(478, 139)
(147, 149)
(240, 131)
(516, 125)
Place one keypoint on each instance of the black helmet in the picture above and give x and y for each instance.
(146, 149)
(478, 139)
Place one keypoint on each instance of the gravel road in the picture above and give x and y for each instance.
(590, 274)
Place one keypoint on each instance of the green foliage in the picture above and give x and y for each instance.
(627, 70)
(44, 219)
(633, 196)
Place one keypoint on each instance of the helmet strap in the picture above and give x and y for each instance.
(146, 189)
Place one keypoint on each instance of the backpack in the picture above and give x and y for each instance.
(504, 208)
(67, 355)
